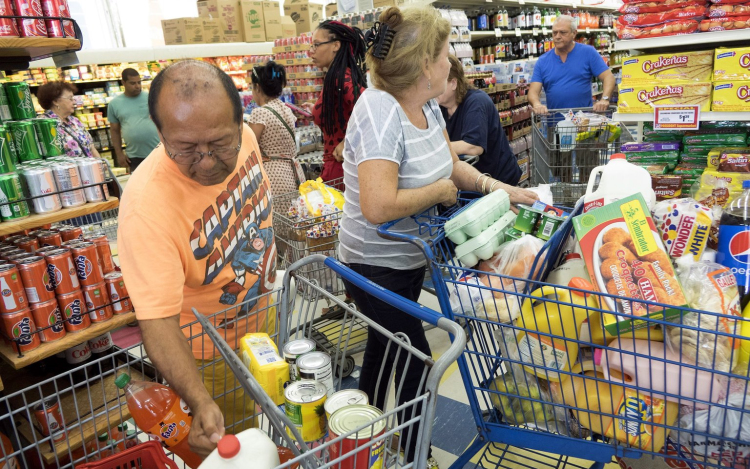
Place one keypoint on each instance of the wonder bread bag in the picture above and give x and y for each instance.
(672, 67)
(642, 97)
(625, 256)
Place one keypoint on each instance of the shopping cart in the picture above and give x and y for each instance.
(564, 156)
(512, 370)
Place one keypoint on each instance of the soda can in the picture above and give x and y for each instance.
(104, 251)
(40, 181)
(12, 205)
(8, 135)
(24, 137)
(50, 419)
(72, 242)
(54, 27)
(78, 354)
(101, 344)
(36, 280)
(11, 252)
(19, 100)
(68, 27)
(6, 158)
(72, 307)
(50, 239)
(11, 289)
(16, 258)
(7, 25)
(68, 179)
(97, 302)
(48, 320)
(30, 27)
(86, 262)
(62, 272)
(50, 141)
(118, 293)
(42, 251)
(92, 172)
(19, 327)
(69, 233)
(27, 243)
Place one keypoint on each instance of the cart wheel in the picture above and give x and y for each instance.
(346, 368)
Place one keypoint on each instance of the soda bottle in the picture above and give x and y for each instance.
(734, 240)
(537, 18)
(161, 413)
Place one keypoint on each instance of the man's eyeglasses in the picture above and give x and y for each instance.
(314, 46)
(190, 158)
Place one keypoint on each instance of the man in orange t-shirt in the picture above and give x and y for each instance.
(196, 232)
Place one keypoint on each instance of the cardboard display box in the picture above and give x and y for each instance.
(253, 21)
(182, 31)
(306, 16)
(212, 31)
(332, 9)
(203, 9)
(230, 14)
(272, 19)
(288, 28)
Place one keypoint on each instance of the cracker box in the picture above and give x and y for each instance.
(732, 64)
(681, 66)
(642, 97)
(731, 96)
(625, 256)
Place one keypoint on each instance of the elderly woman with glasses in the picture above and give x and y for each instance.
(56, 98)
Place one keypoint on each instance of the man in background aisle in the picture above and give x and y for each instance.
(128, 118)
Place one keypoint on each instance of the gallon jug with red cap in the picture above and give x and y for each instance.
(617, 179)
(251, 448)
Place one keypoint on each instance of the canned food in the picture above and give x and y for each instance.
(118, 294)
(27, 243)
(7, 164)
(317, 366)
(344, 398)
(62, 272)
(68, 180)
(29, 27)
(69, 233)
(548, 225)
(12, 205)
(48, 320)
(50, 239)
(19, 327)
(36, 279)
(527, 219)
(97, 302)
(11, 289)
(24, 137)
(293, 350)
(304, 406)
(41, 181)
(50, 419)
(50, 142)
(86, 261)
(92, 172)
(19, 100)
(72, 310)
(348, 419)
(103, 250)
(7, 29)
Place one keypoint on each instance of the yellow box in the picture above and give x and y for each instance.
(681, 66)
(732, 64)
(642, 97)
(731, 96)
(261, 357)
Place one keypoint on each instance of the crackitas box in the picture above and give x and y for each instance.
(639, 98)
(625, 257)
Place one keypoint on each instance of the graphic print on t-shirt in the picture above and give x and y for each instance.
(232, 234)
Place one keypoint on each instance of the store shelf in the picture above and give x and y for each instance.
(36, 46)
(464, 4)
(8, 227)
(717, 38)
(305, 89)
(48, 349)
(235, 72)
(615, 66)
(98, 128)
(299, 76)
(95, 106)
(83, 82)
(705, 116)
(108, 148)
(294, 48)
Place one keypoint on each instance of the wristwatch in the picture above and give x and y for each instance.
(605, 98)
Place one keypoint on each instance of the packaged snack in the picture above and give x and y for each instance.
(740, 126)
(689, 170)
(700, 150)
(717, 188)
(714, 155)
(654, 169)
(731, 96)
(661, 156)
(641, 98)
(625, 256)
(725, 24)
(728, 2)
(655, 7)
(693, 160)
(676, 66)
(649, 19)
(651, 135)
(684, 226)
(720, 11)
(734, 162)
(639, 147)
(726, 137)
(666, 186)
(667, 29)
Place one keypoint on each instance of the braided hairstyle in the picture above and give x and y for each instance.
(351, 56)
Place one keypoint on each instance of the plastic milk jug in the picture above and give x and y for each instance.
(619, 179)
(251, 448)
(574, 266)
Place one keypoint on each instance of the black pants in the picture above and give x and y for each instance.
(408, 284)
(135, 162)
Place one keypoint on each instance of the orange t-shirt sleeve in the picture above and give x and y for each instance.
(151, 267)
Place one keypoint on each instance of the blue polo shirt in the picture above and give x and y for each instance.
(568, 85)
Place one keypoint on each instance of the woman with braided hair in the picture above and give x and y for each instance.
(340, 51)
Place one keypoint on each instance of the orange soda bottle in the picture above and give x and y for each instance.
(160, 412)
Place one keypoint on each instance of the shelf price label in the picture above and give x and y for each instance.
(518, 32)
(535, 31)
(677, 117)
(545, 31)
(521, 2)
(498, 32)
(588, 30)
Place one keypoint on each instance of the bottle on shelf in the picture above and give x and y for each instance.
(537, 17)
(506, 20)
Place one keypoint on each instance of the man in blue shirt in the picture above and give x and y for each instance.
(566, 72)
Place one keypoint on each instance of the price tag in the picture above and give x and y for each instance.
(518, 32)
(545, 31)
(588, 30)
(521, 2)
(498, 32)
(535, 32)
(609, 30)
(677, 117)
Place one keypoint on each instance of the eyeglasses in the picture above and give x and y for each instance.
(314, 46)
(190, 158)
(561, 33)
(69, 98)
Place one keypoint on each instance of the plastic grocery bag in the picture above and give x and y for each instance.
(316, 195)
(544, 192)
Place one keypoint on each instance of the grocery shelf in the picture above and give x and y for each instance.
(235, 72)
(36, 46)
(716, 38)
(47, 349)
(615, 66)
(293, 48)
(36, 220)
(543, 31)
(98, 128)
(108, 148)
(464, 4)
(306, 89)
(296, 76)
(83, 82)
(705, 116)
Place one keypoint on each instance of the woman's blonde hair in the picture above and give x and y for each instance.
(457, 73)
(420, 33)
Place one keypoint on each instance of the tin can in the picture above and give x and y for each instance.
(6, 158)
(19, 100)
(11, 197)
(68, 27)
(48, 320)
(8, 135)
(72, 242)
(348, 419)
(304, 406)
(50, 142)
(12, 252)
(68, 179)
(49, 239)
(527, 219)
(86, 262)
(11, 289)
(36, 280)
(30, 27)
(19, 327)
(50, 418)
(548, 225)
(42, 251)
(54, 27)
(92, 172)
(27, 243)
(118, 293)
(97, 302)
(101, 344)
(72, 307)
(317, 366)
(344, 398)
(71, 232)
(7, 25)
(41, 181)
(103, 250)
(295, 349)
(24, 137)
(62, 272)
(18, 257)
(78, 354)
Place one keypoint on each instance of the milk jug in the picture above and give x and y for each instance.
(251, 448)
(574, 266)
(619, 179)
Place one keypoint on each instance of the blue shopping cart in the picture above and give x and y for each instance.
(587, 393)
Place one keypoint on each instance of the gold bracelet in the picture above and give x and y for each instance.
(492, 187)
(484, 185)
(476, 183)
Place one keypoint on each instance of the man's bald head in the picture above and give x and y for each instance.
(189, 80)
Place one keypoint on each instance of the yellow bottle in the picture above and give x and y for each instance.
(592, 330)
(593, 401)
(558, 319)
(744, 358)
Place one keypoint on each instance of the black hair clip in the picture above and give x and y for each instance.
(379, 38)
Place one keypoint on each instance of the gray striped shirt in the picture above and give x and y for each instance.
(379, 130)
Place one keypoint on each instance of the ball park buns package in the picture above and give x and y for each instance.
(731, 96)
(642, 97)
(732, 64)
(675, 66)
(625, 256)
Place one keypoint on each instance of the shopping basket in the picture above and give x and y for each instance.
(564, 156)
(148, 454)
(513, 383)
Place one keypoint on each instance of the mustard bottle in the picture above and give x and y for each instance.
(592, 330)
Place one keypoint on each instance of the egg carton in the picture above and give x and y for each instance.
(483, 247)
(473, 220)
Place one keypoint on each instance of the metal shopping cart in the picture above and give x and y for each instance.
(564, 156)
(689, 409)
(91, 404)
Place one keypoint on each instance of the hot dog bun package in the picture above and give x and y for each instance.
(625, 256)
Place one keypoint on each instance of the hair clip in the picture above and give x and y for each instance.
(274, 74)
(380, 39)
(255, 72)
